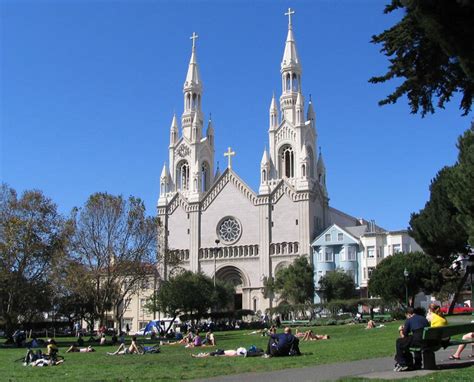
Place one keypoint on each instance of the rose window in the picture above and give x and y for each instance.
(229, 230)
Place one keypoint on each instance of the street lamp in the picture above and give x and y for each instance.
(215, 258)
(406, 274)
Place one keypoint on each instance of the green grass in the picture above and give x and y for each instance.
(347, 343)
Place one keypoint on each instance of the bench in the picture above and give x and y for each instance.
(436, 338)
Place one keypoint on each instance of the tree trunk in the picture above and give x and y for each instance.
(458, 289)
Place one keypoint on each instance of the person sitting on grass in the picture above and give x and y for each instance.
(51, 348)
(76, 349)
(132, 349)
(197, 341)
(103, 340)
(280, 345)
(210, 340)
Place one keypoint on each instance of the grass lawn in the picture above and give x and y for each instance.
(347, 343)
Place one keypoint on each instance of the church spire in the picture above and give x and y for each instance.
(290, 55)
(290, 75)
(273, 114)
(193, 79)
(192, 90)
(174, 130)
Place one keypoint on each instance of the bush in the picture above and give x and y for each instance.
(398, 314)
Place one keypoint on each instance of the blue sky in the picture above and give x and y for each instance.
(88, 90)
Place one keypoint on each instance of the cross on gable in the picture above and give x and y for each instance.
(229, 154)
(194, 37)
(289, 13)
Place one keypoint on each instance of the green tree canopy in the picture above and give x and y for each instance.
(462, 188)
(432, 50)
(388, 280)
(295, 283)
(337, 285)
(33, 237)
(436, 228)
(190, 293)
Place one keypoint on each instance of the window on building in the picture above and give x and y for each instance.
(287, 162)
(142, 303)
(127, 303)
(351, 253)
(320, 256)
(182, 176)
(370, 270)
(205, 177)
(327, 237)
(396, 248)
(380, 252)
(254, 304)
(340, 237)
(342, 254)
(371, 252)
(329, 255)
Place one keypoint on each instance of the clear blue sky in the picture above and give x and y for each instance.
(88, 90)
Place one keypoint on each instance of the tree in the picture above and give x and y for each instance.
(115, 243)
(436, 228)
(432, 50)
(388, 278)
(462, 186)
(190, 293)
(295, 283)
(33, 236)
(337, 285)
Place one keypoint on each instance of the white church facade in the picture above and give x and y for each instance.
(214, 221)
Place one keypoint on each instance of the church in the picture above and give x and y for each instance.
(214, 222)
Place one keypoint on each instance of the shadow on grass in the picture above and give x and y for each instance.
(454, 366)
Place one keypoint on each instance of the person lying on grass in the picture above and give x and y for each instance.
(39, 359)
(132, 349)
(239, 352)
(76, 349)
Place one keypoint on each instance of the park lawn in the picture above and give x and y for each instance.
(347, 343)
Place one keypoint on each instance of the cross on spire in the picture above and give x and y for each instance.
(194, 37)
(289, 13)
(229, 154)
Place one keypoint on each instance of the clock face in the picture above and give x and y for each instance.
(229, 230)
(183, 151)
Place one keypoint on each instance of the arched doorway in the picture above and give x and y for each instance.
(234, 276)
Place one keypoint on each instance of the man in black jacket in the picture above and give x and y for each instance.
(283, 344)
(411, 335)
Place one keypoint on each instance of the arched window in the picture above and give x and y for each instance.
(303, 171)
(288, 82)
(193, 104)
(205, 179)
(287, 162)
(294, 82)
(182, 176)
(310, 171)
(264, 175)
(188, 101)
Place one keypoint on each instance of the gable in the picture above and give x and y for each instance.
(334, 235)
(228, 177)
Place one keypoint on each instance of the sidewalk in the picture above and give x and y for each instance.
(381, 368)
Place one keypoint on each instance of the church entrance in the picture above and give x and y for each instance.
(232, 275)
(237, 301)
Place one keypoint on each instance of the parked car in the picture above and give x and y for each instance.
(458, 309)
